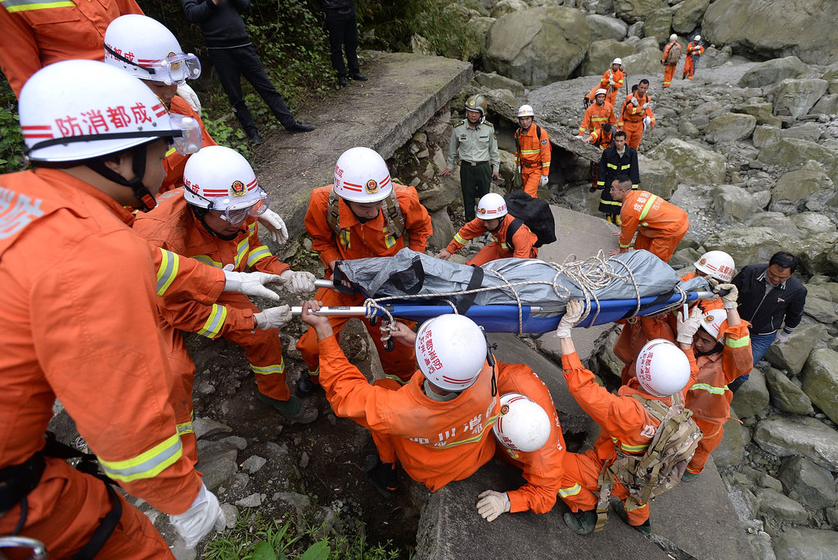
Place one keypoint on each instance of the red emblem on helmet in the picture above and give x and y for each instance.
(238, 188)
(371, 187)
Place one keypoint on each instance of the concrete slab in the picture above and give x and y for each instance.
(404, 91)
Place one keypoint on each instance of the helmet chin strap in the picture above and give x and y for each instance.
(138, 159)
(201, 213)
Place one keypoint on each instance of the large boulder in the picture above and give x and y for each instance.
(792, 355)
(751, 245)
(811, 223)
(688, 16)
(826, 105)
(604, 27)
(804, 131)
(807, 482)
(729, 128)
(777, 505)
(646, 61)
(633, 11)
(735, 202)
(806, 544)
(702, 114)
(752, 397)
(759, 108)
(785, 395)
(496, 81)
(795, 98)
(816, 258)
(820, 382)
(775, 220)
(731, 450)
(657, 176)
(773, 71)
(537, 46)
(601, 54)
(808, 187)
(508, 7)
(443, 228)
(799, 436)
(794, 152)
(769, 29)
(658, 25)
(693, 164)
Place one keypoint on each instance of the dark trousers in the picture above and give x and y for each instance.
(231, 65)
(343, 35)
(475, 181)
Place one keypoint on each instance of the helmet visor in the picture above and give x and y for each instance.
(190, 138)
(177, 68)
(236, 215)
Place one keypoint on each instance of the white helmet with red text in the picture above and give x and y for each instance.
(361, 175)
(491, 206)
(662, 368)
(717, 264)
(525, 111)
(451, 351)
(713, 321)
(522, 424)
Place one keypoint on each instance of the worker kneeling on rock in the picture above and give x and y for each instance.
(509, 240)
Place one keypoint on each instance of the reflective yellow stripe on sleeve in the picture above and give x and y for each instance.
(13, 6)
(459, 239)
(709, 388)
(146, 465)
(207, 260)
(185, 428)
(166, 274)
(258, 254)
(268, 370)
(630, 448)
(738, 342)
(571, 491)
(215, 321)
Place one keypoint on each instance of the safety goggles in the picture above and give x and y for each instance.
(190, 139)
(235, 214)
(175, 69)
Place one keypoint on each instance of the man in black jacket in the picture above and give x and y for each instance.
(342, 23)
(769, 296)
(233, 55)
(617, 159)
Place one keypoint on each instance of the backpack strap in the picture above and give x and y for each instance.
(394, 218)
(333, 213)
(513, 228)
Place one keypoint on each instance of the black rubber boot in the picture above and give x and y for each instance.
(382, 475)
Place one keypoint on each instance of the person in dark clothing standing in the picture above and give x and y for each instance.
(769, 296)
(342, 23)
(234, 56)
(617, 159)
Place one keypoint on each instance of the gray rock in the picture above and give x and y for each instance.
(253, 464)
(657, 176)
(299, 502)
(820, 381)
(761, 546)
(688, 16)
(785, 395)
(759, 109)
(537, 46)
(688, 129)
(820, 310)
(792, 355)
(206, 427)
(217, 470)
(601, 53)
(795, 97)
(832, 517)
(793, 152)
(774, 220)
(812, 485)
(811, 223)
(798, 435)
(604, 27)
(504, 7)
(496, 81)
(778, 505)
(752, 396)
(658, 25)
(231, 515)
(751, 245)
(772, 29)
(252, 501)
(826, 105)
(730, 128)
(736, 202)
(806, 544)
(646, 61)
(233, 442)
(773, 71)
(693, 164)
(702, 114)
(440, 194)
(443, 229)
(815, 253)
(731, 450)
(714, 57)
(768, 481)
(805, 131)
(766, 135)
(637, 10)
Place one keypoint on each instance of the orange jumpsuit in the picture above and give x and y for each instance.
(693, 50)
(174, 164)
(660, 225)
(668, 69)
(543, 468)
(358, 241)
(533, 156)
(173, 226)
(625, 423)
(436, 442)
(597, 115)
(631, 119)
(80, 325)
(635, 334)
(709, 398)
(522, 241)
(605, 83)
(38, 32)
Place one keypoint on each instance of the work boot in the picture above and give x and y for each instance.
(382, 475)
(297, 126)
(254, 138)
(645, 529)
(292, 409)
(689, 476)
(305, 386)
(580, 522)
(343, 81)
(358, 77)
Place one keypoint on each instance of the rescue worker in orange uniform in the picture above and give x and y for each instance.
(612, 80)
(635, 334)
(695, 49)
(669, 65)
(532, 154)
(81, 324)
(596, 115)
(529, 436)
(663, 370)
(660, 225)
(213, 220)
(362, 215)
(723, 352)
(637, 116)
(718, 268)
(436, 426)
(493, 217)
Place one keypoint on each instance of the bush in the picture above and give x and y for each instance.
(11, 139)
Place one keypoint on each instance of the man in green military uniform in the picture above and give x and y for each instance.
(474, 140)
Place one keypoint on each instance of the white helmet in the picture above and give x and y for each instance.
(673, 37)
(600, 91)
(617, 60)
(662, 368)
(491, 206)
(221, 179)
(522, 425)
(697, 38)
(525, 111)
(712, 322)
(717, 264)
(361, 175)
(145, 48)
(451, 351)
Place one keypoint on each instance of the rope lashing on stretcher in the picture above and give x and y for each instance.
(589, 275)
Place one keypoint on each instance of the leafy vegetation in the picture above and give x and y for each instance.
(11, 139)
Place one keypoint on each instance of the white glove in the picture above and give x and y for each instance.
(190, 96)
(634, 101)
(729, 299)
(687, 328)
(196, 522)
(544, 179)
(782, 337)
(298, 282)
(610, 82)
(647, 122)
(272, 318)
(275, 226)
(492, 504)
(251, 283)
(645, 106)
(572, 315)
